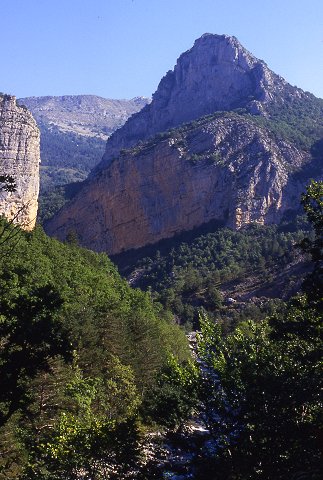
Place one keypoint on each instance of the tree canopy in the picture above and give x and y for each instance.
(79, 350)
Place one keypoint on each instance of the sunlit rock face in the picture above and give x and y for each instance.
(19, 158)
(217, 73)
(227, 167)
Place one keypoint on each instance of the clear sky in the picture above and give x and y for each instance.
(122, 48)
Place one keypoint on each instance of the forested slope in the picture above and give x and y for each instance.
(90, 369)
(79, 350)
(258, 390)
(230, 274)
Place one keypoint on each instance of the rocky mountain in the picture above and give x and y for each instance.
(74, 129)
(249, 144)
(85, 115)
(216, 74)
(19, 158)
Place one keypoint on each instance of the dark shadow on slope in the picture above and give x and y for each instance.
(126, 260)
(54, 199)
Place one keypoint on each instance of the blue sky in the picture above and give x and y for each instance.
(122, 48)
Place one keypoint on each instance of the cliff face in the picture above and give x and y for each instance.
(19, 158)
(217, 73)
(230, 166)
(227, 169)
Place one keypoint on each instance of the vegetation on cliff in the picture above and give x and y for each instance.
(66, 156)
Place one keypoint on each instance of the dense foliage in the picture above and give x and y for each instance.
(54, 198)
(187, 275)
(260, 386)
(7, 183)
(67, 156)
(261, 394)
(79, 350)
(312, 202)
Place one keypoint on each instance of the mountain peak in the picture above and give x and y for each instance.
(216, 74)
(221, 49)
(226, 166)
(216, 38)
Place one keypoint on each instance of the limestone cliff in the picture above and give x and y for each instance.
(19, 158)
(226, 168)
(238, 164)
(217, 73)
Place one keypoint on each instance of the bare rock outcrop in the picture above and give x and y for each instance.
(227, 169)
(19, 158)
(231, 166)
(217, 73)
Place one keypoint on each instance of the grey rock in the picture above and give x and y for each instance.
(226, 168)
(20, 158)
(217, 73)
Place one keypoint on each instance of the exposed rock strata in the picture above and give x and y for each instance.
(19, 157)
(227, 169)
(217, 73)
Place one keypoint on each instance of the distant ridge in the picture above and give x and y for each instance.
(89, 115)
(74, 129)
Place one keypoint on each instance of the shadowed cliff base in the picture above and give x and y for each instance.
(126, 260)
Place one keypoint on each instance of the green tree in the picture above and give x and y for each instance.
(94, 429)
(175, 396)
(261, 395)
(7, 183)
(312, 202)
(31, 333)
